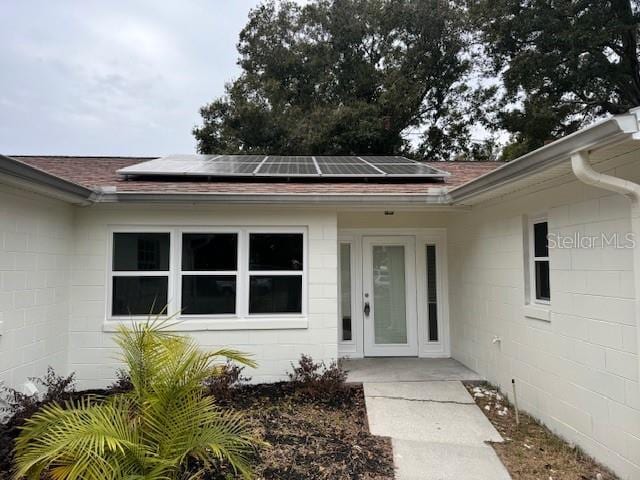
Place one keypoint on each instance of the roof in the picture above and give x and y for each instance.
(100, 173)
(87, 180)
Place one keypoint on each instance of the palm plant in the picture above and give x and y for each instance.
(148, 433)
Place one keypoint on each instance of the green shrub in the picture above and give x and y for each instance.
(149, 432)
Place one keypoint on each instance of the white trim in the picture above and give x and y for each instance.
(298, 322)
(346, 345)
(531, 259)
(181, 273)
(110, 273)
(247, 274)
(242, 319)
(537, 313)
(371, 348)
(354, 348)
(438, 299)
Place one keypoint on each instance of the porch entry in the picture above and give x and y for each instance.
(391, 295)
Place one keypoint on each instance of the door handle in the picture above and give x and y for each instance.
(367, 309)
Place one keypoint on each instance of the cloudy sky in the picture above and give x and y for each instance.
(116, 77)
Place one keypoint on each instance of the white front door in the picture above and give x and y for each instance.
(389, 296)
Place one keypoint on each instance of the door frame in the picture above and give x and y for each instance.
(423, 236)
(370, 347)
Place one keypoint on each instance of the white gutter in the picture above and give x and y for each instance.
(19, 174)
(586, 174)
(607, 132)
(422, 199)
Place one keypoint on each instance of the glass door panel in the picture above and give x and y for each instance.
(389, 294)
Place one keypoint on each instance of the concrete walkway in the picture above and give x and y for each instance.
(437, 430)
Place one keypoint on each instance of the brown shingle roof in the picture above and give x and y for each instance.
(101, 172)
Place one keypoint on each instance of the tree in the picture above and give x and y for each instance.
(345, 77)
(562, 63)
(147, 433)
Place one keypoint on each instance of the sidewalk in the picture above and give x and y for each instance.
(437, 430)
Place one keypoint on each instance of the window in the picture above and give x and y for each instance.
(539, 264)
(432, 294)
(236, 272)
(345, 292)
(140, 273)
(275, 273)
(209, 273)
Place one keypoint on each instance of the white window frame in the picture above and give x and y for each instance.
(533, 299)
(132, 273)
(426, 294)
(242, 319)
(352, 302)
(284, 273)
(180, 273)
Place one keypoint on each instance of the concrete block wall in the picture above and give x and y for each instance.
(36, 237)
(578, 372)
(92, 354)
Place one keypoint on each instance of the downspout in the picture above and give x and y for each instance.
(586, 174)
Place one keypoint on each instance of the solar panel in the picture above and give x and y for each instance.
(287, 169)
(239, 158)
(348, 166)
(219, 168)
(289, 159)
(338, 160)
(349, 169)
(382, 160)
(407, 169)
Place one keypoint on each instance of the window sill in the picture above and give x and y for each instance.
(203, 325)
(538, 312)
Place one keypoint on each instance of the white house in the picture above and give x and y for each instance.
(523, 270)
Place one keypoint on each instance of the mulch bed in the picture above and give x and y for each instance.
(306, 438)
(531, 451)
(310, 439)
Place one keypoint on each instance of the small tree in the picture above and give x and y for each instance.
(148, 432)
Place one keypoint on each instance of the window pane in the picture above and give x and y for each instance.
(209, 251)
(543, 291)
(139, 295)
(541, 244)
(432, 294)
(347, 336)
(275, 251)
(345, 290)
(275, 294)
(140, 252)
(203, 295)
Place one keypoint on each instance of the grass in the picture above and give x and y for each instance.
(531, 451)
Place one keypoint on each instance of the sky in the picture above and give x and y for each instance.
(89, 77)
